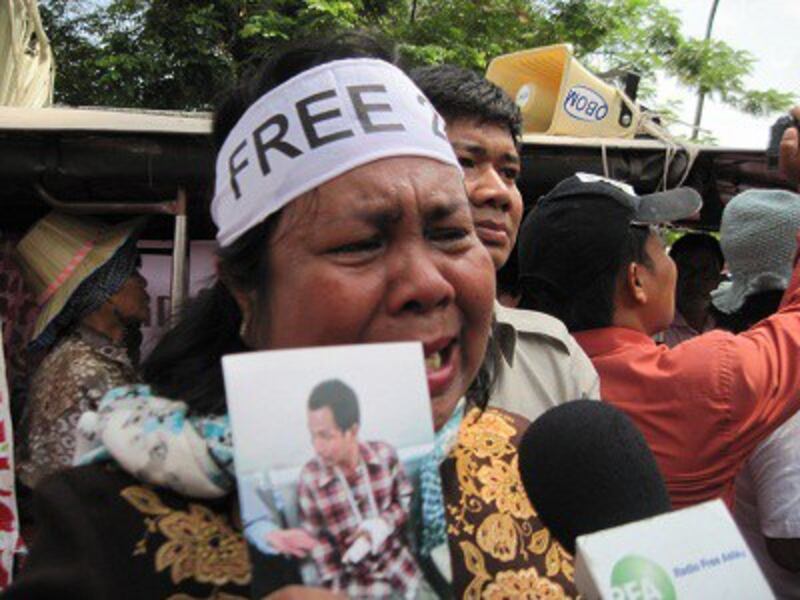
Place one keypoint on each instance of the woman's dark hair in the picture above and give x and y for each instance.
(756, 307)
(185, 364)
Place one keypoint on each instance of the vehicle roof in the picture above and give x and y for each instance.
(99, 155)
(103, 155)
(104, 119)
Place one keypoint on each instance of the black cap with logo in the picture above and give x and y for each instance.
(579, 229)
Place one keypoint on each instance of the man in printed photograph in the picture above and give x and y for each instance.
(353, 498)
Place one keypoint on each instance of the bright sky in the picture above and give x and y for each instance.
(770, 31)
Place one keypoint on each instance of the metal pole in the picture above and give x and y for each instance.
(179, 284)
(701, 97)
(107, 208)
(180, 252)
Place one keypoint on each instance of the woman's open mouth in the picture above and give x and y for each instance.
(441, 364)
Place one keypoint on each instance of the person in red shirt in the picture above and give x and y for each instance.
(590, 257)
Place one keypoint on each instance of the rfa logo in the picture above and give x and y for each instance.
(636, 578)
(584, 104)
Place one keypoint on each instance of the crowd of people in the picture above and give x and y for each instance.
(355, 204)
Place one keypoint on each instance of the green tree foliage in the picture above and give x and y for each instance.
(181, 53)
(173, 54)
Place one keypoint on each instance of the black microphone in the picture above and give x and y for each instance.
(586, 467)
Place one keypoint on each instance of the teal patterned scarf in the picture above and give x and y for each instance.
(434, 524)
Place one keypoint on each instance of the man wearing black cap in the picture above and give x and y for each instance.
(589, 255)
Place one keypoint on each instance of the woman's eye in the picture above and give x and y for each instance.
(510, 173)
(449, 234)
(363, 246)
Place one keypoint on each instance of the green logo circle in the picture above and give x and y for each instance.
(637, 578)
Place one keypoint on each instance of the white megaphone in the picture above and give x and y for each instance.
(558, 96)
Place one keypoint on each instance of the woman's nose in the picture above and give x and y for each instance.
(420, 284)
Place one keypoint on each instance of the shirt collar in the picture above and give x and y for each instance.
(598, 342)
(104, 345)
(367, 455)
(509, 323)
(679, 321)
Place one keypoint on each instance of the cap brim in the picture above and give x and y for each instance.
(670, 205)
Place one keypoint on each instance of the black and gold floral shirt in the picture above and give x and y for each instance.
(102, 534)
(500, 549)
(71, 379)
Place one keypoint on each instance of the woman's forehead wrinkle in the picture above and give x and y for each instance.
(377, 210)
(380, 217)
(381, 199)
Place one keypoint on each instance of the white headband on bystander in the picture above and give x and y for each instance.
(314, 127)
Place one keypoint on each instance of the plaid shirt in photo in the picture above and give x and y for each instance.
(326, 512)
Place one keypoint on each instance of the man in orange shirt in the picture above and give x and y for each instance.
(589, 256)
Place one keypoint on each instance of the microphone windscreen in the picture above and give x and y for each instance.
(586, 467)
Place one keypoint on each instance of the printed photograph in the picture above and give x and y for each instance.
(325, 463)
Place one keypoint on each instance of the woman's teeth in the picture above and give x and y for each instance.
(433, 362)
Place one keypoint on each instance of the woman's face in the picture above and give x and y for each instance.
(131, 303)
(386, 252)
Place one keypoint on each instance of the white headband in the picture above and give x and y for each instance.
(314, 127)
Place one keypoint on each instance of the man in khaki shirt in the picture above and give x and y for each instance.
(536, 363)
(541, 364)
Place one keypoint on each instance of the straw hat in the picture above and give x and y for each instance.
(60, 252)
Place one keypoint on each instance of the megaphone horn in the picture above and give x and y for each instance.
(558, 96)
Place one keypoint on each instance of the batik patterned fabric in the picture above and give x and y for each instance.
(198, 543)
(71, 379)
(18, 313)
(326, 511)
(9, 520)
(111, 536)
(500, 549)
